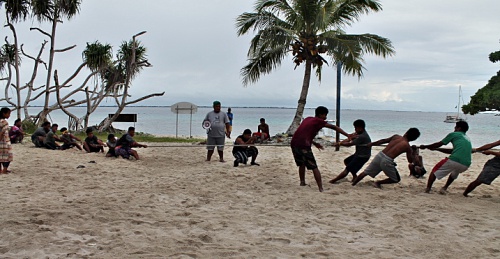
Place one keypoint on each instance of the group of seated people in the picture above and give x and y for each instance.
(46, 137)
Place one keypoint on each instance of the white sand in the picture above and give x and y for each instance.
(173, 204)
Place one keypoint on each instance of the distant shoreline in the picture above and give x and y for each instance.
(249, 107)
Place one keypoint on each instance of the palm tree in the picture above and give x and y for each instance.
(307, 29)
(131, 59)
(52, 11)
(16, 10)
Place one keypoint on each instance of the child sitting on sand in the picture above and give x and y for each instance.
(16, 132)
(111, 143)
(69, 140)
(92, 143)
(125, 143)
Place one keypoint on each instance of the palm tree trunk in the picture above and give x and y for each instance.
(302, 100)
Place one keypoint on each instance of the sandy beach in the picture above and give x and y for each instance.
(173, 204)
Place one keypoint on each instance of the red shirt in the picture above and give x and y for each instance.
(306, 132)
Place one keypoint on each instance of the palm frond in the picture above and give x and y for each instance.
(42, 10)
(68, 8)
(97, 55)
(264, 63)
(16, 10)
(349, 11)
(373, 44)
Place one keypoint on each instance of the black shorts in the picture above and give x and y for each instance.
(95, 149)
(304, 157)
(354, 163)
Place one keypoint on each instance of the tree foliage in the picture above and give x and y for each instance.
(309, 30)
(488, 97)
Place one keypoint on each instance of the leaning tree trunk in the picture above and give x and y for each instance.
(46, 110)
(302, 100)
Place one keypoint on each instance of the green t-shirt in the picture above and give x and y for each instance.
(462, 148)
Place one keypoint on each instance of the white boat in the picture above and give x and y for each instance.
(456, 117)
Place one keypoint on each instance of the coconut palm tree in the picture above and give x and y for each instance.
(53, 11)
(308, 30)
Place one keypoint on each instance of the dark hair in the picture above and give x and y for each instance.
(412, 134)
(3, 111)
(247, 131)
(111, 136)
(63, 129)
(16, 121)
(46, 124)
(321, 110)
(89, 130)
(55, 125)
(262, 119)
(131, 129)
(463, 125)
(359, 123)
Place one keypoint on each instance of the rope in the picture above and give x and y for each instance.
(230, 145)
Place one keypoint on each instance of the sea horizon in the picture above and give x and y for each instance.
(161, 121)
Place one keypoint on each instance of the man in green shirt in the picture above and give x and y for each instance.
(459, 160)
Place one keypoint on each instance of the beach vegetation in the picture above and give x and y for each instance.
(312, 32)
(106, 77)
(486, 98)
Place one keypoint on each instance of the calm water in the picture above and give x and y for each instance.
(380, 124)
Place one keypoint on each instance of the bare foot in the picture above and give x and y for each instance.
(222, 161)
(320, 189)
(377, 185)
(443, 191)
(253, 163)
(428, 190)
(332, 181)
(303, 184)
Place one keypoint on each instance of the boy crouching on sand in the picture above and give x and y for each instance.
(304, 138)
(69, 140)
(125, 144)
(241, 151)
(384, 160)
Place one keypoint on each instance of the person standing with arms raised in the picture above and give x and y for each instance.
(218, 128)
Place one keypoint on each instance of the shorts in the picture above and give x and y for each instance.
(242, 155)
(95, 149)
(354, 163)
(489, 173)
(37, 142)
(382, 162)
(448, 167)
(304, 157)
(112, 152)
(212, 142)
(67, 146)
(124, 152)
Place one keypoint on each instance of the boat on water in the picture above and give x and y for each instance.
(453, 118)
(456, 117)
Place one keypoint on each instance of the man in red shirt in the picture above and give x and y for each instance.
(303, 139)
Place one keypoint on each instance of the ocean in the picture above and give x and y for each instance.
(380, 124)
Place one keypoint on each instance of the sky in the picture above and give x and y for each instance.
(197, 55)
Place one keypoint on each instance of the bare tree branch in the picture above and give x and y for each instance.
(65, 49)
(42, 32)
(144, 98)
